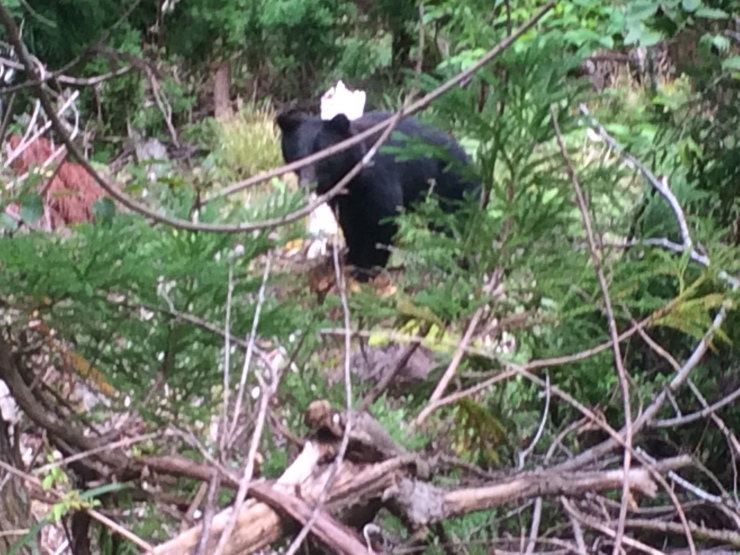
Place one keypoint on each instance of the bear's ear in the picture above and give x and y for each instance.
(339, 124)
(288, 121)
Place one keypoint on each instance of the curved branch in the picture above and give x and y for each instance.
(23, 55)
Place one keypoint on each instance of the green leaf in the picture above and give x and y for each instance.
(619, 130)
(32, 207)
(733, 63)
(6, 222)
(102, 490)
(549, 195)
(634, 32)
(650, 38)
(638, 10)
(582, 36)
(29, 538)
(711, 13)
(104, 209)
(721, 43)
(691, 5)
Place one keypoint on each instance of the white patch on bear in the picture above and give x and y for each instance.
(322, 225)
(341, 100)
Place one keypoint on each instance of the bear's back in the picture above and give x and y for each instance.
(439, 171)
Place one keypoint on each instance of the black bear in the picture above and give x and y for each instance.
(380, 190)
(298, 134)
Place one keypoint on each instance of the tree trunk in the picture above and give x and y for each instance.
(221, 90)
(15, 513)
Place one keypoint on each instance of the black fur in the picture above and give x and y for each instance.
(380, 190)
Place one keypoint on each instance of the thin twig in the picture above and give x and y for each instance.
(379, 388)
(342, 287)
(66, 79)
(104, 520)
(227, 363)
(660, 185)
(266, 394)
(605, 529)
(250, 350)
(613, 332)
(452, 367)
(521, 457)
(455, 397)
(35, 81)
(127, 201)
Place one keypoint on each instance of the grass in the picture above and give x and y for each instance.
(249, 142)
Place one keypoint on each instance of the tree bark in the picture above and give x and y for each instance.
(15, 512)
(221, 90)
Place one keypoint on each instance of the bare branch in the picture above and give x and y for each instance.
(613, 332)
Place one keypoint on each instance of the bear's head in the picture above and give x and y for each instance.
(333, 168)
(298, 132)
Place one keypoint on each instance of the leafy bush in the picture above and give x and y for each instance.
(142, 301)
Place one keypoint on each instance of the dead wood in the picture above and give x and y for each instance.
(366, 478)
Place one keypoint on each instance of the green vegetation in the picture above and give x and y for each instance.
(128, 330)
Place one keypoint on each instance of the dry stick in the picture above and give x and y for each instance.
(613, 332)
(423, 102)
(706, 411)
(26, 142)
(535, 527)
(342, 287)
(67, 80)
(123, 443)
(599, 451)
(383, 383)
(659, 184)
(265, 397)
(454, 397)
(522, 456)
(452, 368)
(723, 499)
(592, 522)
(679, 509)
(731, 437)
(215, 482)
(666, 192)
(163, 104)
(189, 516)
(724, 536)
(577, 530)
(178, 223)
(682, 375)
(104, 520)
(227, 362)
(200, 323)
(33, 81)
(335, 534)
(533, 365)
(214, 485)
(248, 356)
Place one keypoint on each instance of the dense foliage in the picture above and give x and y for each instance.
(144, 304)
